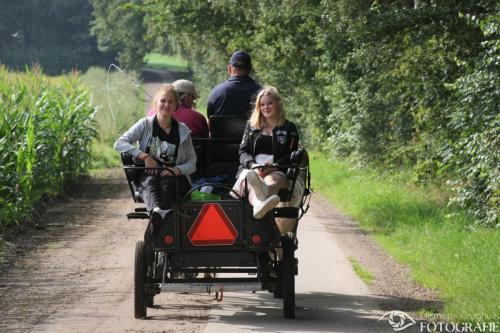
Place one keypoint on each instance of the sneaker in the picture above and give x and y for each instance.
(260, 209)
(258, 185)
(158, 218)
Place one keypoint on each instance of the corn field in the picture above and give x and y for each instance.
(45, 133)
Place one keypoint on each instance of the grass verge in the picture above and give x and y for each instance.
(361, 272)
(416, 227)
(166, 62)
(126, 104)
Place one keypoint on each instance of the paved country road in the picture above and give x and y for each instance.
(75, 275)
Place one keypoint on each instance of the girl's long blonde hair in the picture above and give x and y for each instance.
(256, 119)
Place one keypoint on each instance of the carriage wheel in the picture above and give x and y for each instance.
(278, 291)
(288, 276)
(139, 281)
(150, 271)
(150, 301)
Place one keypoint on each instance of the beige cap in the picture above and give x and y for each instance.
(185, 87)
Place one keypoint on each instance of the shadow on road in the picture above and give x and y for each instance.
(315, 312)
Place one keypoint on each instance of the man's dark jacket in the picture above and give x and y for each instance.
(234, 96)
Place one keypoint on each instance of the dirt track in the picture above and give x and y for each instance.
(74, 274)
(79, 277)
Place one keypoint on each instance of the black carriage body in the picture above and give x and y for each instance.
(190, 241)
(176, 237)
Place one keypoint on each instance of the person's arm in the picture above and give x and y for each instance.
(188, 166)
(204, 126)
(210, 105)
(125, 143)
(247, 160)
(292, 144)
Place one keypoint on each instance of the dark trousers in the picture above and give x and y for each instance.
(158, 191)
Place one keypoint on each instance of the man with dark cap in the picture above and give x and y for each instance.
(234, 96)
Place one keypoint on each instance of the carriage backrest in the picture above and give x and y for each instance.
(227, 126)
(223, 147)
(131, 175)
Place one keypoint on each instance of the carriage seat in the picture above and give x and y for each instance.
(227, 126)
(224, 144)
(131, 175)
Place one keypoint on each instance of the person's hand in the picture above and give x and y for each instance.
(258, 170)
(174, 171)
(262, 172)
(150, 162)
(267, 170)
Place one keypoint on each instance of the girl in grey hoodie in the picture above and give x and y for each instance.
(162, 141)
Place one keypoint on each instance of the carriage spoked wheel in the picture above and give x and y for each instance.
(288, 269)
(150, 301)
(150, 273)
(140, 281)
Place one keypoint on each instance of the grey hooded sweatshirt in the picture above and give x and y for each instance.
(142, 131)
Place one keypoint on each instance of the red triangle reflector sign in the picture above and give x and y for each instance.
(212, 227)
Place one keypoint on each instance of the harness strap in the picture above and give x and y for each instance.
(306, 198)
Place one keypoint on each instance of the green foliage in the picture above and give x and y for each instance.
(53, 33)
(387, 82)
(472, 153)
(45, 135)
(119, 29)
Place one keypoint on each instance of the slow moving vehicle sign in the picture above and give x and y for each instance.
(212, 227)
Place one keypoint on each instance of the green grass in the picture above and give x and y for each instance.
(179, 65)
(128, 105)
(104, 156)
(361, 272)
(416, 227)
(166, 62)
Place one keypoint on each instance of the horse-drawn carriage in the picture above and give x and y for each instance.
(212, 243)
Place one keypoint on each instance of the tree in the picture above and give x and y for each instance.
(367, 79)
(120, 29)
(54, 33)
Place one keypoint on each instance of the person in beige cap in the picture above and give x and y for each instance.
(186, 113)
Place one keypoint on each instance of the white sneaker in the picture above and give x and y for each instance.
(258, 185)
(261, 208)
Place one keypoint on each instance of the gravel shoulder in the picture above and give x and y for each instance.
(393, 282)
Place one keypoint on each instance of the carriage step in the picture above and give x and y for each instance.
(138, 216)
(202, 287)
(286, 212)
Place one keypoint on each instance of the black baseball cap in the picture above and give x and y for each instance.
(241, 59)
